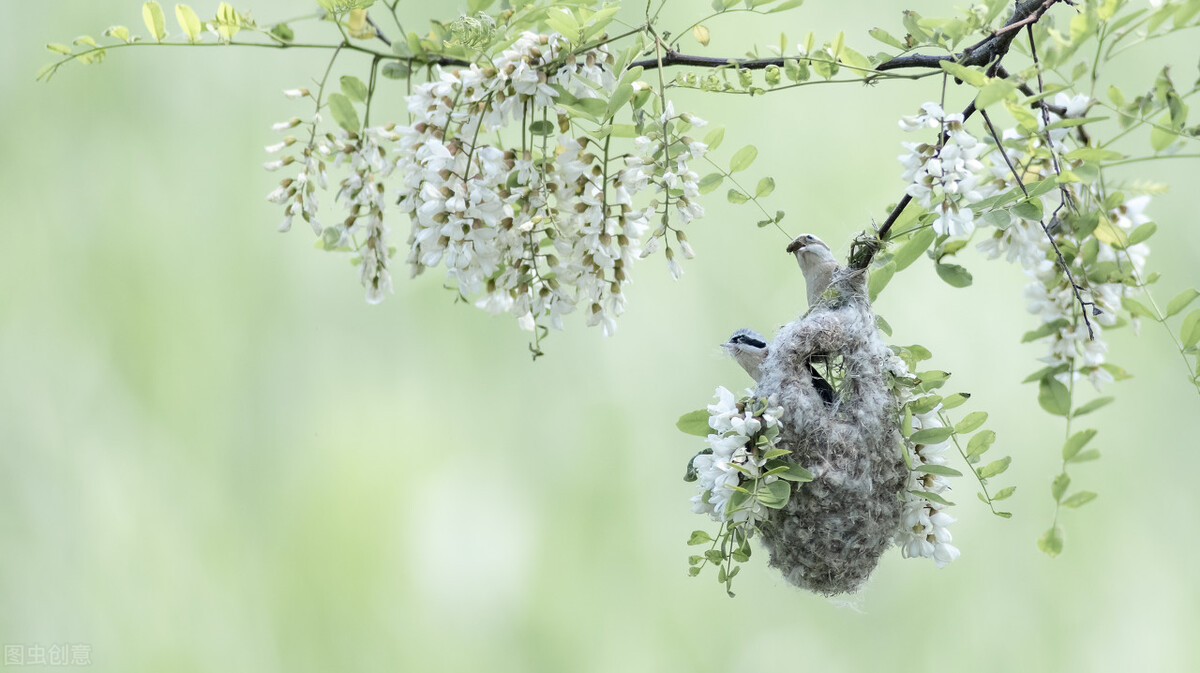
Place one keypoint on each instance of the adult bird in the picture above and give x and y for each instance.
(818, 265)
(749, 349)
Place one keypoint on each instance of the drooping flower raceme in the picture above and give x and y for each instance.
(944, 177)
(1108, 265)
(530, 212)
(537, 231)
(732, 469)
(923, 532)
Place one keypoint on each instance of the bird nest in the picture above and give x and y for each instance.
(832, 531)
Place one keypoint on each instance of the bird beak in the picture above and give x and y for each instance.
(796, 245)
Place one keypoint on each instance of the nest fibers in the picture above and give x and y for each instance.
(830, 535)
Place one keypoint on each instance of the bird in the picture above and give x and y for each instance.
(749, 349)
(817, 263)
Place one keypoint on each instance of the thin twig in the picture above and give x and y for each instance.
(1058, 253)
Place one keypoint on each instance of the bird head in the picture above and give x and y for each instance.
(810, 251)
(748, 348)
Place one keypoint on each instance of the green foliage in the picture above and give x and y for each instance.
(152, 15)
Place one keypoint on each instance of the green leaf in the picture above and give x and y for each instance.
(694, 423)
(789, 4)
(1092, 406)
(1059, 486)
(561, 20)
(714, 138)
(1031, 208)
(932, 379)
(188, 21)
(1093, 154)
(886, 38)
(1137, 308)
(1053, 396)
(395, 69)
(797, 474)
(1142, 233)
(541, 127)
(284, 33)
(743, 158)
(954, 275)
(955, 400)
(931, 435)
(943, 470)
(119, 32)
(59, 48)
(971, 423)
(1073, 122)
(883, 325)
(735, 196)
(152, 15)
(1045, 330)
(772, 454)
(710, 182)
(1079, 499)
(1189, 331)
(775, 494)
(1051, 542)
(1118, 373)
(764, 188)
(699, 537)
(1115, 95)
(853, 59)
(975, 78)
(632, 74)
(1161, 136)
(1004, 493)
(701, 34)
(343, 112)
(995, 91)
(914, 248)
(354, 88)
(1076, 442)
(228, 23)
(620, 97)
(994, 468)
(980, 443)
(933, 497)
(1085, 456)
(1181, 301)
(879, 278)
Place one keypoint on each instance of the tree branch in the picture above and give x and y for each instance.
(987, 50)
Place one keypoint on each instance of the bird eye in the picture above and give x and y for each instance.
(810, 237)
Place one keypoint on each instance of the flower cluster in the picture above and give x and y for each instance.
(944, 178)
(362, 192)
(298, 195)
(923, 532)
(733, 468)
(538, 231)
(1049, 294)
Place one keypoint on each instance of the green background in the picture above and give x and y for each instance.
(215, 456)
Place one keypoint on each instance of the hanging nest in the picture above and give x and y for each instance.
(830, 535)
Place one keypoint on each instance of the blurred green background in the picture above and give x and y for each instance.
(214, 456)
